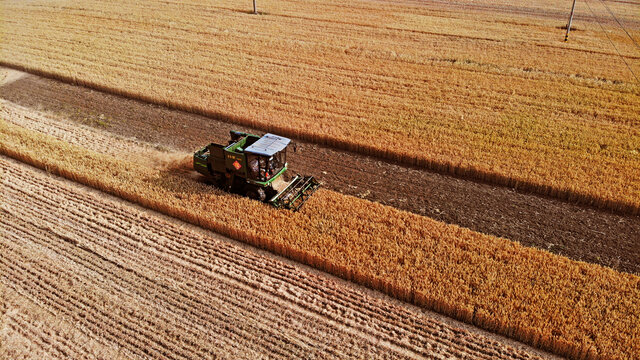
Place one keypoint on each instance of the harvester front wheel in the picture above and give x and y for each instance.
(256, 194)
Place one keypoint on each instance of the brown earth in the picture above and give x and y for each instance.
(86, 275)
(578, 232)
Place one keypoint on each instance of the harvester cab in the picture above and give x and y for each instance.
(255, 166)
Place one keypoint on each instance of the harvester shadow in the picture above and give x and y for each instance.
(250, 12)
(119, 115)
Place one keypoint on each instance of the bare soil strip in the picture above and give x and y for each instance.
(84, 275)
(578, 232)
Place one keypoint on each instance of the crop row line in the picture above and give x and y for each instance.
(120, 241)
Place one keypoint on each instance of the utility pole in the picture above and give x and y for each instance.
(566, 36)
(255, 8)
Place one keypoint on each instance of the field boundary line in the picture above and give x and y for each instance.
(466, 172)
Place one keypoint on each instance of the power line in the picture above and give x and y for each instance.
(619, 23)
(612, 44)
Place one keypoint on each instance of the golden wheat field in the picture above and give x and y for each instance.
(490, 282)
(485, 90)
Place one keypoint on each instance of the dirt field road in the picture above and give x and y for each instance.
(577, 232)
(84, 275)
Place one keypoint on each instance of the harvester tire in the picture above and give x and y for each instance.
(256, 194)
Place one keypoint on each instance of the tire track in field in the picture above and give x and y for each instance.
(155, 288)
(181, 306)
(39, 211)
(36, 214)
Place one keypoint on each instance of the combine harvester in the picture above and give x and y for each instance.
(255, 166)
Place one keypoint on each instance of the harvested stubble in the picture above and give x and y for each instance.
(481, 90)
(574, 309)
(148, 286)
(27, 331)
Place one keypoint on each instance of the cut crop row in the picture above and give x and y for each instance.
(147, 273)
(29, 331)
(41, 207)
